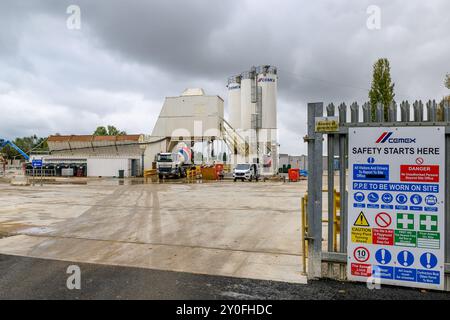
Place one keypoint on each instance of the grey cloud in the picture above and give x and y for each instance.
(129, 55)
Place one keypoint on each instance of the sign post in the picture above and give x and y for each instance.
(396, 217)
(36, 163)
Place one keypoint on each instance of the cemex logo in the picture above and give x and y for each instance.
(266, 80)
(386, 137)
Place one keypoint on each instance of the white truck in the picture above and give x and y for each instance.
(246, 171)
(174, 164)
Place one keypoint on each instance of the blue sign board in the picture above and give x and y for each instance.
(371, 172)
(36, 163)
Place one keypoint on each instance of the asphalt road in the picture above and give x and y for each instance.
(31, 278)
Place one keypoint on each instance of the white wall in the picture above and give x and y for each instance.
(108, 167)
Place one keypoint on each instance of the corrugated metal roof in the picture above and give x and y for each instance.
(87, 138)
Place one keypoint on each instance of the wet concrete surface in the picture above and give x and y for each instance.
(31, 278)
(249, 230)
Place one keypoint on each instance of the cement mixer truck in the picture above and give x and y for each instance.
(174, 164)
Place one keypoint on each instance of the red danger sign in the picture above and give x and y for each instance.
(418, 173)
(383, 237)
(361, 270)
(383, 220)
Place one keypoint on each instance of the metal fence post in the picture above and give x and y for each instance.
(343, 185)
(315, 171)
(379, 112)
(330, 187)
(405, 111)
(418, 111)
(367, 113)
(392, 112)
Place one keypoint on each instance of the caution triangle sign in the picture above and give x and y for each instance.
(361, 221)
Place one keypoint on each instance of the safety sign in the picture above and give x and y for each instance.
(361, 254)
(383, 219)
(383, 256)
(396, 218)
(361, 221)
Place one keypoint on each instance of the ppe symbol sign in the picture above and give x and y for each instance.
(428, 260)
(383, 256)
(383, 220)
(373, 197)
(401, 198)
(387, 198)
(359, 197)
(431, 200)
(361, 254)
(428, 223)
(405, 258)
(361, 221)
(416, 199)
(405, 221)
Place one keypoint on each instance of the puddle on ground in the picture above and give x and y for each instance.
(36, 231)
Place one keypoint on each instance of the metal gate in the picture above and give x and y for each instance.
(337, 147)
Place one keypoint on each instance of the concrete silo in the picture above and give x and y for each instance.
(267, 80)
(248, 98)
(257, 111)
(234, 101)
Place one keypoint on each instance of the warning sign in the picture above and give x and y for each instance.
(361, 235)
(327, 124)
(418, 173)
(396, 177)
(361, 221)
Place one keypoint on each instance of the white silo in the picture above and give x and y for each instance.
(248, 102)
(267, 80)
(234, 101)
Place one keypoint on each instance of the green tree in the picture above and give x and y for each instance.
(108, 131)
(26, 144)
(382, 88)
(447, 81)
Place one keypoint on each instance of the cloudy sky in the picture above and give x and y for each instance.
(128, 55)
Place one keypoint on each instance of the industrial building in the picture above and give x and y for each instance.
(95, 156)
(195, 118)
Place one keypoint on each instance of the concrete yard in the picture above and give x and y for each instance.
(246, 230)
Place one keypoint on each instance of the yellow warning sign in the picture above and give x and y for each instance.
(361, 221)
(361, 235)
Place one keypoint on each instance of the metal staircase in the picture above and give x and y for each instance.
(235, 142)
